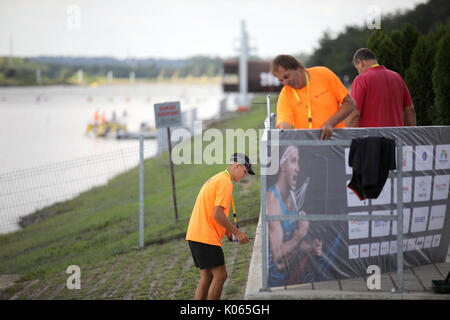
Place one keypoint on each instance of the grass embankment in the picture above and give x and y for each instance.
(98, 231)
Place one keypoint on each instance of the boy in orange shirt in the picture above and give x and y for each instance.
(312, 98)
(209, 223)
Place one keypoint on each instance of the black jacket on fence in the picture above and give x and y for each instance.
(371, 159)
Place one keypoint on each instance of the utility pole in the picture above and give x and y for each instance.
(80, 76)
(243, 66)
(11, 50)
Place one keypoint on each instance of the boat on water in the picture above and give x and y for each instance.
(117, 130)
(108, 129)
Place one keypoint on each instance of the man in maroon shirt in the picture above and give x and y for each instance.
(382, 98)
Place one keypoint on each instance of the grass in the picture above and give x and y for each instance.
(98, 231)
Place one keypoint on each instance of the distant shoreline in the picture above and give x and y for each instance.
(125, 81)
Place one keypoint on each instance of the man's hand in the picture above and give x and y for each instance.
(348, 105)
(286, 126)
(327, 131)
(230, 228)
(410, 116)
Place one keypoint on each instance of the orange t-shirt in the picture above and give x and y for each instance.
(326, 94)
(203, 227)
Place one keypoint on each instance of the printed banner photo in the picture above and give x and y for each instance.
(313, 180)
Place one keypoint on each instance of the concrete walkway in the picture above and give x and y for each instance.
(417, 283)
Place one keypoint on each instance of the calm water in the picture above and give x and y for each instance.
(42, 138)
(41, 125)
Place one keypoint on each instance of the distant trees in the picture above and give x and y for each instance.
(418, 76)
(424, 62)
(388, 52)
(417, 46)
(336, 52)
(441, 82)
(19, 71)
(406, 40)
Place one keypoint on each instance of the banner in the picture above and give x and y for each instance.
(313, 180)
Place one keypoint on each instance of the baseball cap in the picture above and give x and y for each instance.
(242, 159)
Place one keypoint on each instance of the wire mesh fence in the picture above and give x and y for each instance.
(24, 193)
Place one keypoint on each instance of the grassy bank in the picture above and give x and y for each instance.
(98, 231)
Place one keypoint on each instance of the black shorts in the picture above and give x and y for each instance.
(206, 256)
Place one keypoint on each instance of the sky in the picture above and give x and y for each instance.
(176, 28)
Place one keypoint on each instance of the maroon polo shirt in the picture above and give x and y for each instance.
(380, 95)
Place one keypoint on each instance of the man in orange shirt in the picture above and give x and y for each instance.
(312, 98)
(209, 223)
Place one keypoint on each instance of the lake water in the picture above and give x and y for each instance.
(41, 125)
(46, 157)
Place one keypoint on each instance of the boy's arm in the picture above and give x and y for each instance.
(222, 219)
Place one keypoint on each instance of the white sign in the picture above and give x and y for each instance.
(422, 188)
(411, 244)
(393, 247)
(364, 250)
(168, 114)
(406, 158)
(353, 251)
(436, 240)
(384, 248)
(442, 156)
(406, 216)
(440, 187)
(374, 249)
(427, 243)
(358, 229)
(437, 217)
(419, 243)
(419, 219)
(407, 190)
(380, 228)
(424, 158)
(348, 169)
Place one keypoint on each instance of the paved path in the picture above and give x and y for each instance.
(417, 283)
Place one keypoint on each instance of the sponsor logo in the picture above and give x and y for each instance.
(424, 156)
(419, 219)
(443, 156)
(422, 189)
(419, 242)
(404, 158)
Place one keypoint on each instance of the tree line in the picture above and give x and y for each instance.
(416, 44)
(22, 71)
(423, 60)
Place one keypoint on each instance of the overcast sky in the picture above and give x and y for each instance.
(175, 28)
